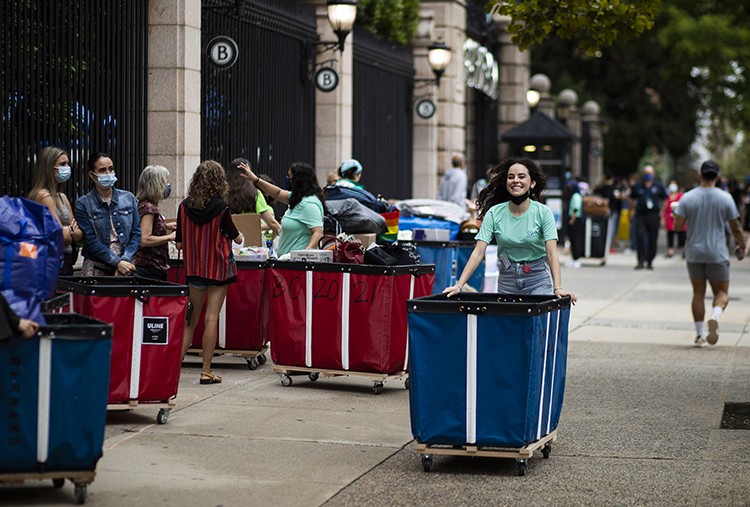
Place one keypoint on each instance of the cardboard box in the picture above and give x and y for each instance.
(432, 234)
(251, 253)
(249, 225)
(366, 239)
(312, 255)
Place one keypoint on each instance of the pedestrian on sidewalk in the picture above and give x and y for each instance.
(453, 183)
(525, 231)
(576, 227)
(205, 232)
(706, 209)
(646, 199)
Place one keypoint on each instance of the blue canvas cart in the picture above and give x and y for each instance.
(487, 374)
(449, 258)
(54, 402)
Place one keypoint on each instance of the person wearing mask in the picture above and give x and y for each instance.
(453, 183)
(204, 233)
(302, 224)
(707, 210)
(673, 197)
(108, 218)
(576, 226)
(244, 197)
(51, 172)
(646, 198)
(525, 232)
(350, 172)
(152, 258)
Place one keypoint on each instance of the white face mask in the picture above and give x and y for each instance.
(672, 188)
(63, 173)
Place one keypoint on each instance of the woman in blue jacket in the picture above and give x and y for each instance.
(110, 223)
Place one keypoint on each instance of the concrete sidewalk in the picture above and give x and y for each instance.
(640, 422)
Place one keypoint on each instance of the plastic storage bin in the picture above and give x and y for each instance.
(148, 319)
(486, 369)
(54, 400)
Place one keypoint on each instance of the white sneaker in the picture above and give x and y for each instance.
(700, 342)
(713, 332)
(577, 264)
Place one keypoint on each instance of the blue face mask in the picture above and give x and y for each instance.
(167, 190)
(106, 180)
(287, 183)
(63, 173)
(648, 177)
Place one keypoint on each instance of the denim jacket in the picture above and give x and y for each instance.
(93, 217)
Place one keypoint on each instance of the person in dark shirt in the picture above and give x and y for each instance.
(12, 325)
(646, 198)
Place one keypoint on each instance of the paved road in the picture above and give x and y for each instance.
(640, 423)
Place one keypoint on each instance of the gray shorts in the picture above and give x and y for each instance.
(715, 272)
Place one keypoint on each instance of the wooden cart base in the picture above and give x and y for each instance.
(521, 454)
(254, 358)
(314, 374)
(165, 407)
(79, 479)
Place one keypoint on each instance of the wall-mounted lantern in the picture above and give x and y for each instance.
(341, 16)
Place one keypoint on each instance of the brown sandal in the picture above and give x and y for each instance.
(208, 377)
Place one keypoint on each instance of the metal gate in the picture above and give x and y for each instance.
(383, 136)
(73, 76)
(262, 107)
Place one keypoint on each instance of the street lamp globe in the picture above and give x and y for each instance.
(439, 56)
(539, 85)
(341, 16)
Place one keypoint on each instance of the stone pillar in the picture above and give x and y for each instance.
(174, 93)
(592, 127)
(568, 112)
(424, 148)
(514, 81)
(450, 27)
(333, 110)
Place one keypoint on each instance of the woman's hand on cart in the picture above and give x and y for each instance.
(561, 293)
(453, 290)
(27, 328)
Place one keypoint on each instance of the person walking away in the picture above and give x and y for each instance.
(52, 170)
(706, 210)
(646, 198)
(205, 232)
(673, 197)
(576, 226)
(302, 224)
(525, 232)
(152, 257)
(453, 183)
(611, 193)
(107, 217)
(244, 197)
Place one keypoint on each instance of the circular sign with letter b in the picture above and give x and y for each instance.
(326, 79)
(222, 51)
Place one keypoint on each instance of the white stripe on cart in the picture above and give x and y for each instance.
(345, 321)
(135, 364)
(554, 364)
(223, 325)
(45, 372)
(471, 379)
(308, 317)
(544, 377)
(411, 296)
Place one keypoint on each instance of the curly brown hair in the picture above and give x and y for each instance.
(207, 183)
(496, 190)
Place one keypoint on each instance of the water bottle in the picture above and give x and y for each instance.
(268, 235)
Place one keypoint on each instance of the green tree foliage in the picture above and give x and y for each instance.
(392, 20)
(654, 88)
(591, 23)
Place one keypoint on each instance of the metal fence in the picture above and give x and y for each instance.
(262, 107)
(74, 76)
(382, 130)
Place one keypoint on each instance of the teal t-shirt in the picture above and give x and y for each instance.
(521, 238)
(576, 205)
(297, 222)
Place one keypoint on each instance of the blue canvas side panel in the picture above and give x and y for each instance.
(561, 365)
(504, 370)
(19, 385)
(78, 404)
(441, 257)
(477, 279)
(437, 377)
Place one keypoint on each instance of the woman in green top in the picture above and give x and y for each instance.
(302, 224)
(244, 197)
(525, 231)
(350, 173)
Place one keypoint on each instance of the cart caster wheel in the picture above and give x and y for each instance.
(252, 363)
(80, 494)
(313, 376)
(426, 462)
(162, 416)
(261, 359)
(406, 383)
(377, 387)
(286, 380)
(522, 466)
(546, 450)
(58, 483)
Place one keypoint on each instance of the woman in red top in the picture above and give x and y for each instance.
(204, 234)
(670, 204)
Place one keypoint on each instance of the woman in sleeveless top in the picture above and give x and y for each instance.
(52, 170)
(152, 258)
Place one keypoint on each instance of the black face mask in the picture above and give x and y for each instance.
(517, 200)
